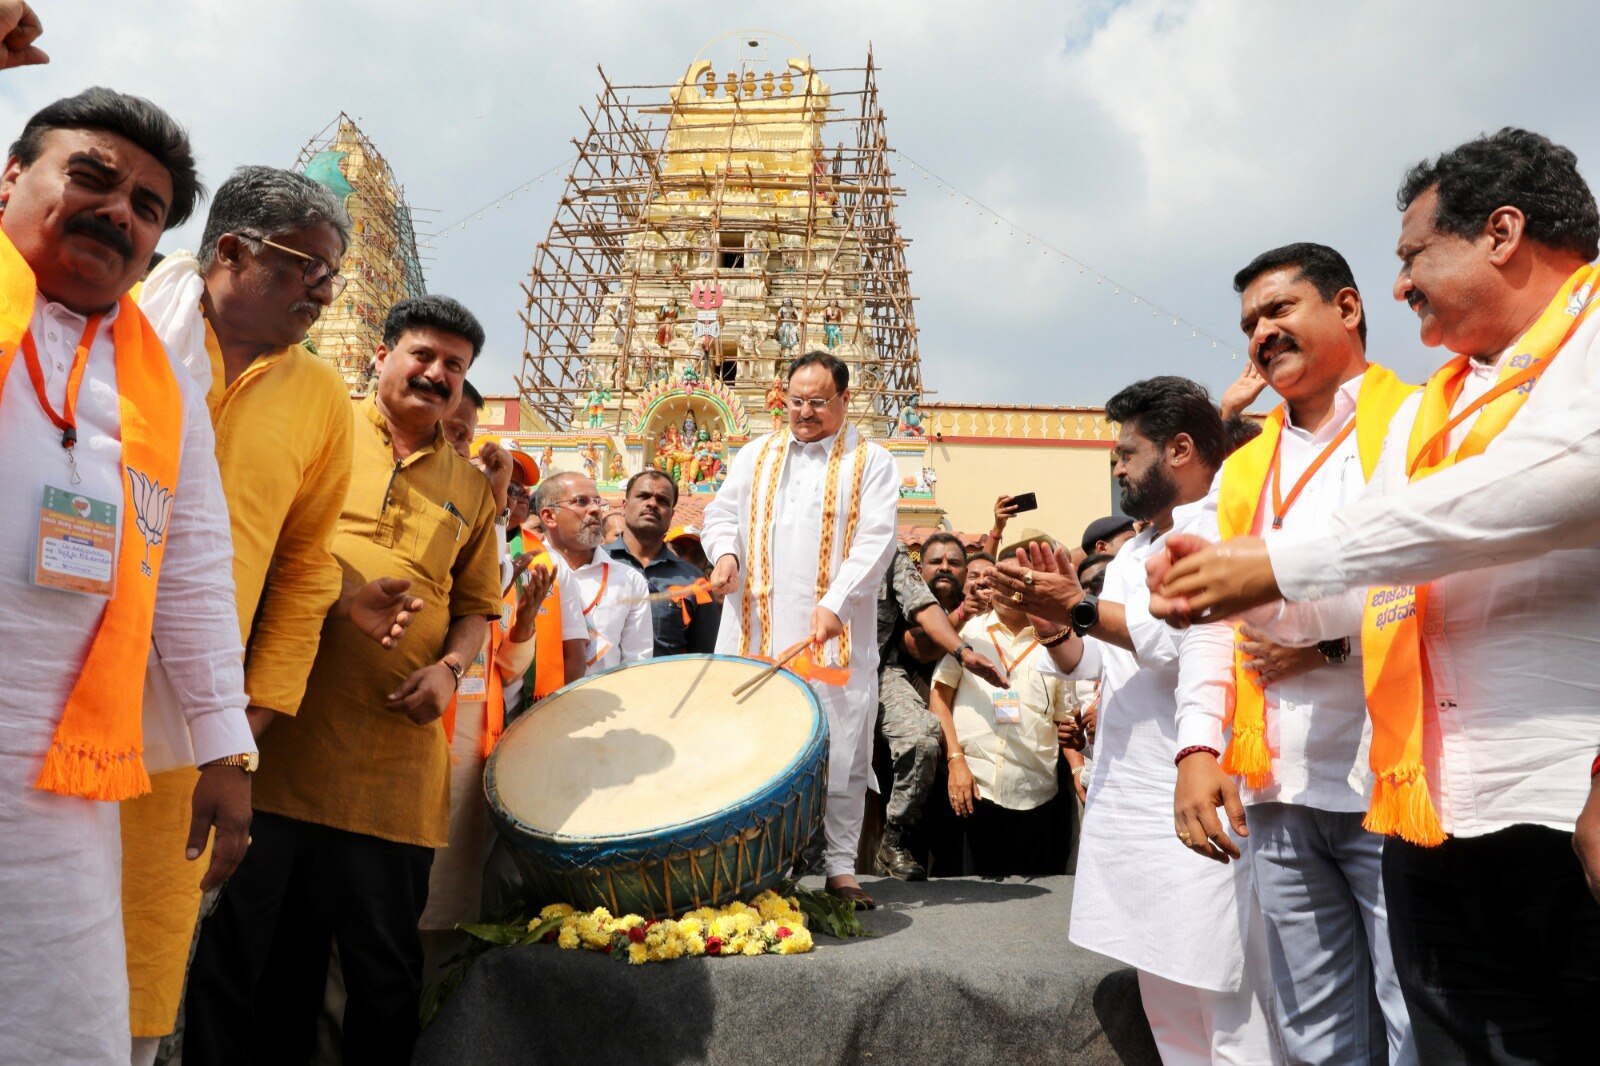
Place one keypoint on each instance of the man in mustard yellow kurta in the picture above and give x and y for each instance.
(233, 319)
(353, 792)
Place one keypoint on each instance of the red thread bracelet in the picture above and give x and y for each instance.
(1186, 752)
(1594, 768)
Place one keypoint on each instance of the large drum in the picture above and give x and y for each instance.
(650, 789)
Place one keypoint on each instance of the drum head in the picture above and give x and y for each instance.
(649, 746)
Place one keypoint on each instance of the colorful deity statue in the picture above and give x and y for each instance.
(690, 377)
(546, 457)
(714, 463)
(832, 324)
(668, 441)
(700, 464)
(672, 453)
(666, 324)
(595, 406)
(910, 419)
(690, 426)
(777, 403)
(591, 460)
(617, 470)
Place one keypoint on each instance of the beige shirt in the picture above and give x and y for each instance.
(1013, 763)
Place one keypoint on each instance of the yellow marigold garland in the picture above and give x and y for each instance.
(770, 924)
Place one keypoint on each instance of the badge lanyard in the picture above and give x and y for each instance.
(605, 576)
(1010, 665)
(1280, 505)
(601, 645)
(67, 419)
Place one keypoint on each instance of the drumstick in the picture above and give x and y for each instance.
(783, 661)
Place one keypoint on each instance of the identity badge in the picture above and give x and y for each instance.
(77, 543)
(474, 684)
(1007, 707)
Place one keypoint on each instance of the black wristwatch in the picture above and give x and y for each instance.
(966, 645)
(1335, 652)
(1086, 614)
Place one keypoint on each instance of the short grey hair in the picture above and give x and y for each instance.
(259, 202)
(551, 489)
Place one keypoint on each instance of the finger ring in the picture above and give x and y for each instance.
(1027, 578)
(1184, 836)
(1016, 597)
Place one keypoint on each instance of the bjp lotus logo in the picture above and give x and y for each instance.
(152, 507)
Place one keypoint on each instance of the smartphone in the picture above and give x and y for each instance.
(1025, 501)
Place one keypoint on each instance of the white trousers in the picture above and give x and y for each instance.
(852, 713)
(1195, 1026)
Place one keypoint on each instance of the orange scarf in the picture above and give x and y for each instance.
(1395, 663)
(549, 657)
(98, 744)
(1245, 474)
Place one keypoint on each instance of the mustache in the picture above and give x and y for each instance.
(424, 385)
(310, 307)
(97, 228)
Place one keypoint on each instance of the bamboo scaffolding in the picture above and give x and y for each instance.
(382, 264)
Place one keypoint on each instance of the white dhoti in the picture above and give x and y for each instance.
(63, 969)
(813, 525)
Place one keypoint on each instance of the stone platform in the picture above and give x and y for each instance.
(958, 970)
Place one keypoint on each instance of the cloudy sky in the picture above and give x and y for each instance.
(1162, 142)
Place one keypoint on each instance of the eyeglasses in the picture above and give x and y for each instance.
(583, 503)
(816, 403)
(519, 491)
(316, 271)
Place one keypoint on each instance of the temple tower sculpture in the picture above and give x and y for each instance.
(382, 263)
(711, 230)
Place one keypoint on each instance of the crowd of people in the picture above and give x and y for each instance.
(262, 640)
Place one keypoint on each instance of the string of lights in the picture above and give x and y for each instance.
(473, 216)
(1068, 259)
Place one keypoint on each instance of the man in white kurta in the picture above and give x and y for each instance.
(771, 529)
(1190, 926)
(615, 600)
(63, 981)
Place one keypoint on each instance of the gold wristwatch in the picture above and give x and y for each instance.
(248, 762)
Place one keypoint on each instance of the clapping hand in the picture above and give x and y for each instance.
(1040, 581)
(537, 587)
(1194, 580)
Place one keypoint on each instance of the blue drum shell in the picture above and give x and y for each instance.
(733, 854)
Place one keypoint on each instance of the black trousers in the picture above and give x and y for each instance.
(1000, 842)
(1497, 946)
(262, 962)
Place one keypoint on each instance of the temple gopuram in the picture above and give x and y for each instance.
(712, 229)
(381, 263)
